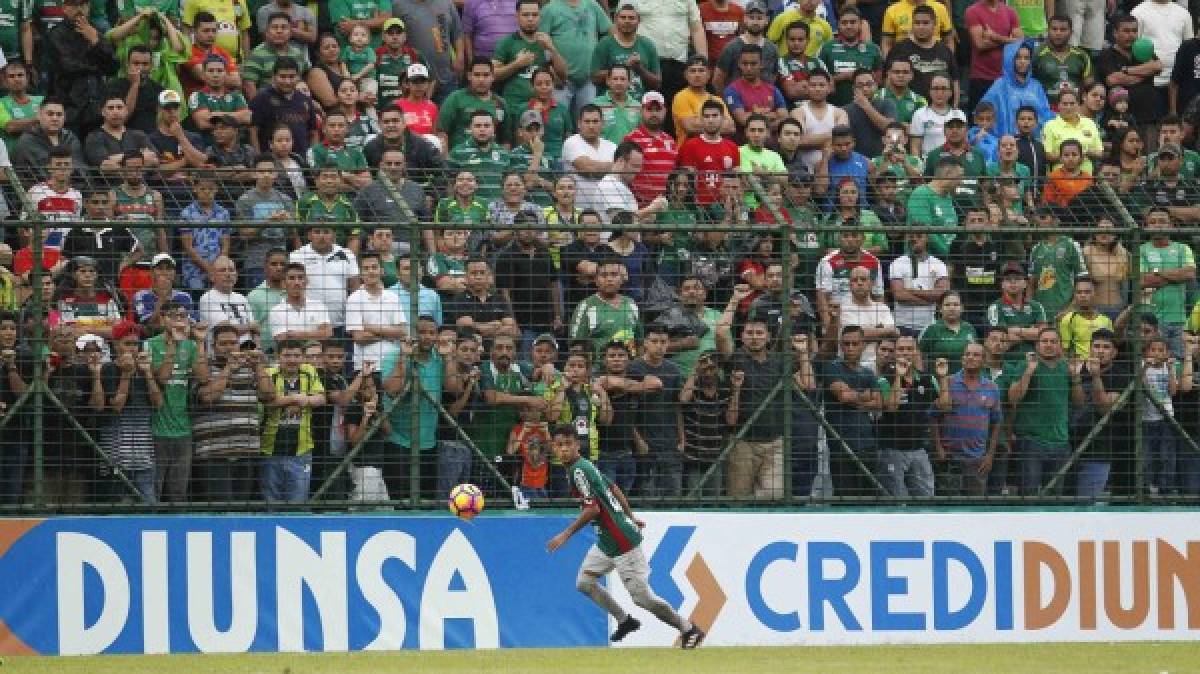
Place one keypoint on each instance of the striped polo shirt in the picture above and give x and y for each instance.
(965, 427)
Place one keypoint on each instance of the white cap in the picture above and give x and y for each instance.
(418, 70)
(160, 258)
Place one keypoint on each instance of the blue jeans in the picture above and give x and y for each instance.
(144, 481)
(575, 96)
(905, 472)
(285, 479)
(1158, 454)
(453, 465)
(620, 470)
(1173, 333)
(663, 477)
(1039, 463)
(1091, 479)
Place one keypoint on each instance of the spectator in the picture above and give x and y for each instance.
(544, 114)
(455, 456)
(722, 22)
(606, 316)
(621, 110)
(304, 21)
(709, 155)
(928, 55)
(795, 64)
(580, 259)
(926, 131)
(296, 317)
(107, 147)
(436, 371)
(519, 55)
(222, 305)
(347, 14)
(393, 61)
(932, 205)
(969, 432)
(87, 306)
(750, 91)
(332, 272)
(376, 203)
(281, 104)
(900, 19)
(18, 109)
(1017, 89)
(616, 398)
(662, 464)
(1172, 267)
(485, 25)
(1031, 151)
(482, 155)
(676, 32)
(289, 166)
(1106, 377)
(1115, 67)
(287, 439)
(528, 282)
(132, 396)
(848, 211)
(835, 270)
(693, 326)
(375, 320)
(590, 155)
(686, 106)
(478, 308)
(818, 118)
(1055, 261)
(1040, 389)
(77, 58)
(328, 72)
(625, 47)
(420, 154)
(264, 59)
(138, 90)
(260, 204)
(1058, 65)
(947, 337)
(457, 113)
(113, 248)
(728, 63)
(436, 32)
(334, 152)
(910, 396)
(227, 428)
(896, 90)
(31, 153)
(268, 293)
(150, 304)
(819, 30)
(1108, 262)
(177, 361)
(134, 201)
(1070, 125)
(1079, 321)
(849, 51)
(203, 245)
(868, 117)
(992, 27)
(861, 310)
(918, 282)
(204, 35)
(1161, 374)
(851, 394)
(1167, 25)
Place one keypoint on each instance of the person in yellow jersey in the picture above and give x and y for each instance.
(897, 23)
(1078, 321)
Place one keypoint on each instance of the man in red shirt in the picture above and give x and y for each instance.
(722, 20)
(205, 45)
(992, 25)
(710, 155)
(659, 151)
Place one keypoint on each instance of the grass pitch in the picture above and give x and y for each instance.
(1154, 658)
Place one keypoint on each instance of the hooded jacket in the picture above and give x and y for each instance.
(1008, 94)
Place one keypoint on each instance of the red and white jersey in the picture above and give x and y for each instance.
(659, 154)
(55, 206)
(711, 160)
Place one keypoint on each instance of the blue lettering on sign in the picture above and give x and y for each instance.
(884, 585)
(822, 590)
(1002, 554)
(663, 561)
(774, 552)
(945, 552)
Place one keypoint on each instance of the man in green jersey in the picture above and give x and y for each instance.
(481, 154)
(1058, 65)
(847, 53)
(899, 76)
(1167, 267)
(178, 365)
(1054, 263)
(932, 205)
(454, 117)
(519, 55)
(617, 546)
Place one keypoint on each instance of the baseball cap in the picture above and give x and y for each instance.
(756, 6)
(1171, 149)
(651, 97)
(393, 23)
(161, 258)
(530, 117)
(226, 120)
(126, 328)
(548, 338)
(82, 342)
(84, 261)
(956, 116)
(1012, 269)
(418, 70)
(169, 97)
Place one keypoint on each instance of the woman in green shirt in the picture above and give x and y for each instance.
(848, 212)
(948, 336)
(680, 191)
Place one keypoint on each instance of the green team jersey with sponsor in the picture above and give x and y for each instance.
(1054, 266)
(489, 165)
(1056, 73)
(339, 213)
(229, 101)
(906, 104)
(609, 52)
(454, 117)
(1187, 170)
(450, 211)
(1002, 314)
(172, 420)
(839, 57)
(442, 264)
(1170, 301)
(10, 109)
(600, 322)
(345, 158)
(12, 14)
(391, 71)
(616, 532)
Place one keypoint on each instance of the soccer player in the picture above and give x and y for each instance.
(618, 543)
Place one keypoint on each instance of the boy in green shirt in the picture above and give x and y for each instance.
(176, 360)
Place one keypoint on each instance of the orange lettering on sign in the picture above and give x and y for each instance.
(1087, 585)
(1173, 566)
(1118, 615)
(1037, 555)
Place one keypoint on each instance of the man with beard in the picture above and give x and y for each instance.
(928, 55)
(851, 395)
(519, 55)
(1058, 65)
(624, 46)
(699, 320)
(659, 151)
(728, 62)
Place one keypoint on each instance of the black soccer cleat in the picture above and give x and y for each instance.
(692, 638)
(628, 625)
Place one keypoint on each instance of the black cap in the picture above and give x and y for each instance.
(1013, 268)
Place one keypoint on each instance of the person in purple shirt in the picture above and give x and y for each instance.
(967, 436)
(749, 94)
(149, 302)
(484, 23)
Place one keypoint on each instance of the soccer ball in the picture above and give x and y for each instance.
(466, 501)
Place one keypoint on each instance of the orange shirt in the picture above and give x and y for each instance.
(1062, 188)
(533, 442)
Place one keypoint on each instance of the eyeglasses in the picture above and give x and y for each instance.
(941, 88)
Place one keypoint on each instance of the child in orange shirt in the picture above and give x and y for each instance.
(531, 439)
(1065, 183)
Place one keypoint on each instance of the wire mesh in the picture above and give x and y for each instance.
(241, 338)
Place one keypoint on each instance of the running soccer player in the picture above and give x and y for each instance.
(618, 543)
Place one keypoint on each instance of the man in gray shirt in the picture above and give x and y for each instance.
(435, 31)
(304, 22)
(374, 203)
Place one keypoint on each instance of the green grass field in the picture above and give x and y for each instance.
(1153, 658)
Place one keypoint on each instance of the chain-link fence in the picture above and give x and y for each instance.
(271, 337)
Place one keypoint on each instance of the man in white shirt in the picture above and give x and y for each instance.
(614, 194)
(297, 317)
(375, 320)
(221, 305)
(1167, 25)
(590, 156)
(917, 291)
(332, 271)
(875, 318)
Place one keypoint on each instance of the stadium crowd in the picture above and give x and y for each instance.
(423, 230)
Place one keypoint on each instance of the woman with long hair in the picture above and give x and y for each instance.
(1129, 152)
(327, 72)
(947, 336)
(849, 212)
(289, 166)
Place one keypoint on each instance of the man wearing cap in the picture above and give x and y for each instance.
(393, 61)
(1168, 188)
(659, 151)
(728, 63)
(177, 148)
(956, 147)
(932, 204)
(535, 157)
(139, 91)
(1023, 320)
(520, 54)
(149, 303)
(625, 47)
(847, 53)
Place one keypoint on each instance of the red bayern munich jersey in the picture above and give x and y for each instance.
(710, 160)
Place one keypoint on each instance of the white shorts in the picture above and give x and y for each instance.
(629, 566)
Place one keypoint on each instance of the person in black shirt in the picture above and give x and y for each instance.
(14, 378)
(478, 308)
(704, 398)
(756, 462)
(619, 438)
(851, 395)
(975, 260)
(580, 259)
(1105, 378)
(113, 248)
(528, 281)
(329, 443)
(909, 398)
(144, 100)
(1115, 67)
(661, 462)
(454, 454)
